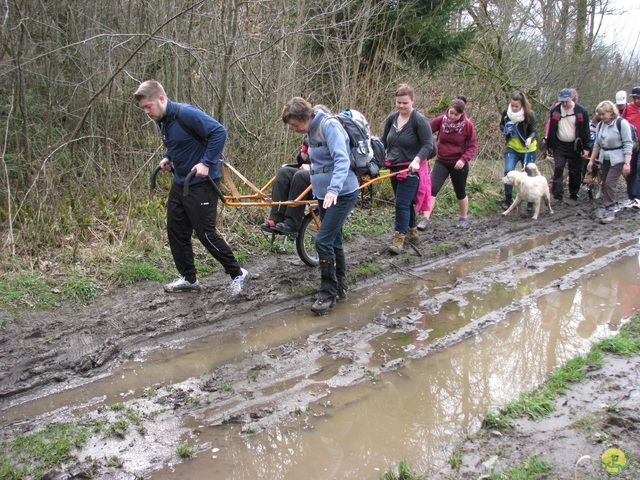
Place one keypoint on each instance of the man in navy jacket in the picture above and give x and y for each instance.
(194, 142)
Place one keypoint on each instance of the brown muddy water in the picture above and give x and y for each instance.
(470, 334)
(418, 412)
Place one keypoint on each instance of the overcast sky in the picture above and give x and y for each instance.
(624, 28)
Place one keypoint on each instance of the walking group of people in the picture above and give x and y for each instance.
(408, 139)
(605, 144)
(194, 142)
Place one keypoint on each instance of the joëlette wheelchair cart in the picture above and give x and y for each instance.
(229, 194)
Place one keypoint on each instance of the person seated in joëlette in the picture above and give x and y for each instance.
(291, 180)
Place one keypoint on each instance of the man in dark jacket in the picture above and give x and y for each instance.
(194, 142)
(569, 138)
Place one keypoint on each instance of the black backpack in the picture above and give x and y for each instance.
(192, 133)
(634, 132)
(367, 153)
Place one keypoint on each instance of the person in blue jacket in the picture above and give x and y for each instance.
(334, 184)
(194, 142)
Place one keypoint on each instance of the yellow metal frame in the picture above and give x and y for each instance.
(261, 197)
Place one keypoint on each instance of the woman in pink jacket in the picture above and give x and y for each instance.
(456, 147)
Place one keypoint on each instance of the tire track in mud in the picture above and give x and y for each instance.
(95, 344)
(354, 346)
(291, 375)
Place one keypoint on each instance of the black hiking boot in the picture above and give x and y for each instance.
(285, 229)
(342, 295)
(328, 286)
(323, 304)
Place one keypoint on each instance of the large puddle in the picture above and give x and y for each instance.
(535, 317)
(418, 412)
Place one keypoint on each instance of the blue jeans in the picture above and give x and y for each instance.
(405, 192)
(332, 220)
(511, 160)
(633, 179)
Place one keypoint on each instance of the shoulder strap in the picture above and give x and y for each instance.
(192, 133)
(598, 128)
(321, 127)
(414, 119)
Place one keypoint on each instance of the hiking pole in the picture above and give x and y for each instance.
(154, 174)
(216, 188)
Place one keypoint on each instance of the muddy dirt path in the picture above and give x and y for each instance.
(42, 354)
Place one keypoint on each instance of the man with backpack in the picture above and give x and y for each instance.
(568, 140)
(194, 142)
(631, 113)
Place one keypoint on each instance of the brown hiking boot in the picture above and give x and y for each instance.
(398, 243)
(413, 237)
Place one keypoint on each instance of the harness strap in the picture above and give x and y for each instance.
(321, 170)
(514, 127)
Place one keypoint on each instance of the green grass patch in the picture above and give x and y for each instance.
(303, 290)
(26, 290)
(532, 469)
(131, 271)
(115, 462)
(540, 401)
(252, 375)
(226, 387)
(626, 343)
(373, 221)
(80, 288)
(496, 421)
(117, 429)
(443, 247)
(133, 417)
(585, 423)
(403, 472)
(455, 459)
(32, 455)
(364, 269)
(185, 451)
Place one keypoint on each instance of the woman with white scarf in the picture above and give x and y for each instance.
(519, 127)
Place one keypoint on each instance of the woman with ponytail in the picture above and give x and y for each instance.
(519, 127)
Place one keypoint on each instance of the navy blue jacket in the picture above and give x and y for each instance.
(184, 150)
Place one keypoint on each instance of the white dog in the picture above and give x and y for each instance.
(528, 189)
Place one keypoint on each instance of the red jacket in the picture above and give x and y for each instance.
(632, 114)
(456, 145)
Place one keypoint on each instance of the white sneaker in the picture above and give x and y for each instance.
(627, 204)
(424, 223)
(636, 203)
(237, 284)
(182, 285)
